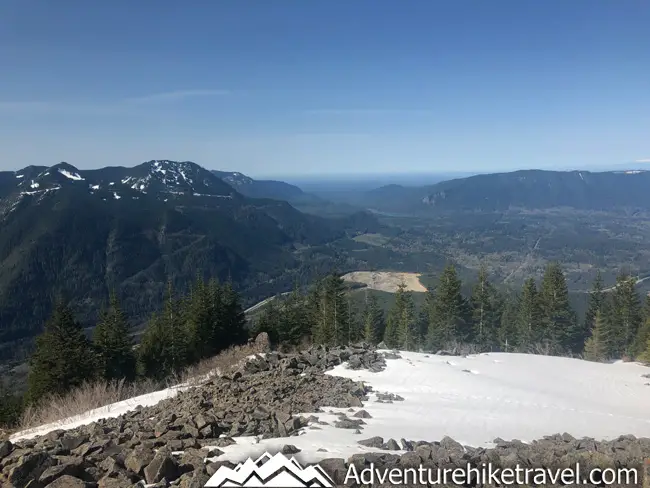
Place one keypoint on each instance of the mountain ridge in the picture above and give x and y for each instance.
(525, 189)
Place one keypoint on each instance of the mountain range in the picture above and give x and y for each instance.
(80, 233)
(526, 189)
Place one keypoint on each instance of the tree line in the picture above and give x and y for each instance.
(209, 318)
(537, 318)
(196, 325)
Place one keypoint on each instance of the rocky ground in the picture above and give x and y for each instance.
(176, 442)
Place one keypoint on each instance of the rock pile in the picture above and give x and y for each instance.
(175, 442)
(262, 398)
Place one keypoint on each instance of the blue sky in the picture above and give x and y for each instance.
(282, 87)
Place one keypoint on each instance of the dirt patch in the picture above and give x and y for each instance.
(386, 280)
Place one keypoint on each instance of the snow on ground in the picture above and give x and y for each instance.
(471, 399)
(478, 398)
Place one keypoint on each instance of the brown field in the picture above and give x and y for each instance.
(386, 280)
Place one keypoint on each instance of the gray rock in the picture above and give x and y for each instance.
(375, 442)
(67, 481)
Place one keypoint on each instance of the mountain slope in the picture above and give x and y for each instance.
(83, 233)
(277, 190)
(527, 189)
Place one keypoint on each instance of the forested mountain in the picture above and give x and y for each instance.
(526, 189)
(80, 234)
(277, 190)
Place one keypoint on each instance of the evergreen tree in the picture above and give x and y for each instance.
(509, 332)
(626, 315)
(200, 319)
(558, 318)
(402, 324)
(447, 313)
(329, 308)
(373, 320)
(485, 311)
(63, 358)
(233, 319)
(596, 300)
(642, 338)
(165, 346)
(113, 344)
(529, 316)
(595, 348)
(11, 408)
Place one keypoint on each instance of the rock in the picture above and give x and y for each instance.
(362, 414)
(67, 481)
(163, 466)
(54, 472)
(5, 449)
(30, 467)
(138, 459)
(289, 449)
(262, 343)
(335, 468)
(391, 445)
(375, 442)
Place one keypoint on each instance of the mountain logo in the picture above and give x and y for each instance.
(268, 470)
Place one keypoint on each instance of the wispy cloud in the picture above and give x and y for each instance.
(102, 107)
(175, 96)
(646, 160)
(365, 111)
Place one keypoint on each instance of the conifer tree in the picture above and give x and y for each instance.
(200, 319)
(63, 358)
(509, 333)
(596, 300)
(626, 315)
(447, 314)
(165, 345)
(113, 344)
(233, 319)
(373, 320)
(485, 311)
(595, 347)
(529, 318)
(330, 311)
(402, 326)
(558, 318)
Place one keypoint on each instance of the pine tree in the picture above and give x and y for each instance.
(199, 318)
(558, 318)
(113, 344)
(485, 311)
(595, 349)
(63, 358)
(529, 316)
(447, 313)
(373, 320)
(626, 315)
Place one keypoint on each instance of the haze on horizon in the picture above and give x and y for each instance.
(281, 88)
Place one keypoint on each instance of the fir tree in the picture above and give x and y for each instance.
(529, 317)
(113, 344)
(558, 318)
(233, 319)
(402, 324)
(63, 358)
(329, 308)
(509, 332)
(165, 346)
(447, 313)
(595, 348)
(373, 320)
(485, 311)
(626, 315)
(596, 300)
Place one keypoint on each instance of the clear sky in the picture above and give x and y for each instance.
(315, 86)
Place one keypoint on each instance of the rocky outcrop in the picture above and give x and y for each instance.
(178, 441)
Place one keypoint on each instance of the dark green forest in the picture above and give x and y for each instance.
(537, 318)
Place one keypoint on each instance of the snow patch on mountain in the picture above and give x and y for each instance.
(71, 176)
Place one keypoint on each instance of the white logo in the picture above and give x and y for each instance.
(267, 470)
